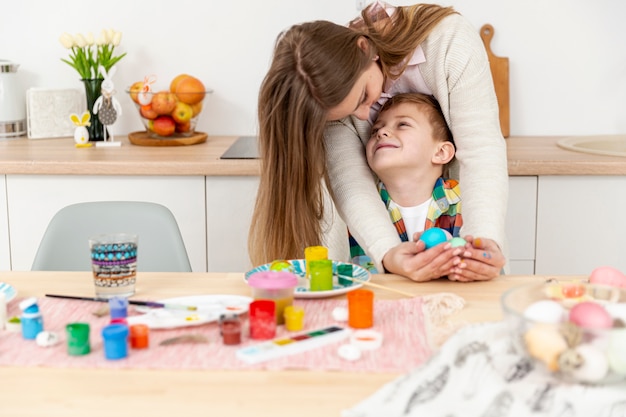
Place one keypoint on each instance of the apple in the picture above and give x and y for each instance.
(163, 126)
(190, 90)
(148, 112)
(183, 127)
(197, 108)
(182, 112)
(134, 90)
(164, 102)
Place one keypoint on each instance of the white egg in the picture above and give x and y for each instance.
(595, 365)
(545, 311)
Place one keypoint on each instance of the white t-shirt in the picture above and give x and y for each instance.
(414, 217)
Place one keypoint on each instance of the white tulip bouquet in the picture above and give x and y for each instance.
(87, 54)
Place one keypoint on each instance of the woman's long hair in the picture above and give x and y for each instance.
(314, 67)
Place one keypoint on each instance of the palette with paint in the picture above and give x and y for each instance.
(209, 309)
(289, 345)
(341, 284)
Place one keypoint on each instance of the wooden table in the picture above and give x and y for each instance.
(104, 392)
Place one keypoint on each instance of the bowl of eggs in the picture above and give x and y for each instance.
(575, 330)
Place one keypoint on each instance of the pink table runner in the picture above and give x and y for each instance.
(401, 322)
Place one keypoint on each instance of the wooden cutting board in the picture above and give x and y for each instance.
(500, 73)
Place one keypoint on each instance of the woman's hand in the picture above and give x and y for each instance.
(411, 260)
(482, 260)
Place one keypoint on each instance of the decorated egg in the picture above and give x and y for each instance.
(591, 315)
(433, 236)
(281, 265)
(606, 275)
(594, 365)
(545, 311)
(456, 242)
(545, 343)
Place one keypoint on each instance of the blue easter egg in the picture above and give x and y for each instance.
(433, 237)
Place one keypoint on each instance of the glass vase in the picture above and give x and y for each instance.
(93, 88)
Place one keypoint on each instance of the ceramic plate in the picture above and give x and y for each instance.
(210, 307)
(302, 290)
(8, 290)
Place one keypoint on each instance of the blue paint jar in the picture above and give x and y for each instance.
(115, 338)
(32, 321)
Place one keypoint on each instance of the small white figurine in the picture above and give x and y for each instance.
(106, 106)
(81, 134)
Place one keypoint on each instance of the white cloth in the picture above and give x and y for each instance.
(477, 373)
(414, 217)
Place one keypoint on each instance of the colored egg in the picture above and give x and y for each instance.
(433, 236)
(594, 367)
(545, 311)
(545, 343)
(616, 350)
(591, 315)
(606, 275)
(281, 265)
(456, 242)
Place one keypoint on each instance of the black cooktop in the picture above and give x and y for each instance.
(245, 147)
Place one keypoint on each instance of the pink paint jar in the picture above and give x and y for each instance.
(278, 286)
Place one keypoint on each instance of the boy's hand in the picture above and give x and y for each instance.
(411, 260)
(481, 260)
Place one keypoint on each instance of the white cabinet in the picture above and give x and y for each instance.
(229, 205)
(5, 251)
(580, 224)
(521, 224)
(34, 199)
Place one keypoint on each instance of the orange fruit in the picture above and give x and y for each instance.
(190, 90)
(176, 80)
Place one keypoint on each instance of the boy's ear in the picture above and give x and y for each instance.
(444, 153)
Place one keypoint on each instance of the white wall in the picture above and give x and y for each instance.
(567, 57)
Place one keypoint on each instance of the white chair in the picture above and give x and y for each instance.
(65, 247)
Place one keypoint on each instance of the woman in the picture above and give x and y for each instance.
(325, 82)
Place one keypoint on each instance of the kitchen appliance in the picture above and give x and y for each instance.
(12, 101)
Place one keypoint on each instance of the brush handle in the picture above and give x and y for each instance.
(382, 287)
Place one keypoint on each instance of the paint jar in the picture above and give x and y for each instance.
(277, 286)
(32, 321)
(314, 253)
(139, 336)
(321, 275)
(77, 339)
(262, 319)
(360, 309)
(118, 310)
(230, 329)
(294, 318)
(115, 338)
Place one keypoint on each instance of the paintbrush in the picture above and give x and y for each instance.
(382, 287)
(153, 304)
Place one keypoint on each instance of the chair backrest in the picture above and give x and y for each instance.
(64, 246)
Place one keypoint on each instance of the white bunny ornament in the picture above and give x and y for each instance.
(106, 106)
(81, 134)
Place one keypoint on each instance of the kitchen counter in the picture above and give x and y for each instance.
(537, 155)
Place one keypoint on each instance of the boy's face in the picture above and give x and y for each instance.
(401, 138)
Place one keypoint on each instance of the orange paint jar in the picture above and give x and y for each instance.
(360, 309)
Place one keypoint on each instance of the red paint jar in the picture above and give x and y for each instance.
(230, 329)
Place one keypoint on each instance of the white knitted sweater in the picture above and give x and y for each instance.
(457, 72)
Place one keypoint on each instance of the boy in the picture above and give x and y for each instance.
(409, 148)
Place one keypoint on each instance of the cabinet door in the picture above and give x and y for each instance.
(521, 224)
(229, 205)
(580, 224)
(34, 199)
(5, 252)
